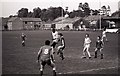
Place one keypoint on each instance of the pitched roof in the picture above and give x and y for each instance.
(112, 18)
(69, 20)
(59, 19)
(4, 20)
(25, 19)
(94, 17)
(30, 19)
(12, 19)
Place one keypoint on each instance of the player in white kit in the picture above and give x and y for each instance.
(55, 38)
(104, 37)
(87, 43)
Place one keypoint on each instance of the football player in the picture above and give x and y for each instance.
(45, 56)
(23, 37)
(55, 37)
(99, 47)
(104, 37)
(87, 43)
(61, 47)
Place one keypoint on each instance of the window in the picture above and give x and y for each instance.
(25, 22)
(30, 22)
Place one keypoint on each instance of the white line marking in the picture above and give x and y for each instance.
(89, 70)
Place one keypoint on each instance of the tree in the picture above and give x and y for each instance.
(30, 14)
(43, 15)
(11, 16)
(104, 24)
(86, 9)
(52, 13)
(23, 12)
(116, 14)
(37, 12)
(95, 12)
(103, 9)
(85, 5)
(80, 7)
(76, 13)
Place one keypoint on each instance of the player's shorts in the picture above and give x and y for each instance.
(61, 47)
(53, 44)
(87, 45)
(56, 40)
(47, 61)
(99, 49)
(104, 36)
(23, 41)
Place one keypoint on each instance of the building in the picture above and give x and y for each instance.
(49, 23)
(66, 23)
(106, 11)
(16, 23)
(3, 22)
(114, 19)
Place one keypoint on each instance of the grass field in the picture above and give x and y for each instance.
(22, 60)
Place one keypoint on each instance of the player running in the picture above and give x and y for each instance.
(45, 56)
(61, 47)
(99, 47)
(55, 37)
(104, 35)
(23, 37)
(87, 43)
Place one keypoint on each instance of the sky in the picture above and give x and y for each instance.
(10, 7)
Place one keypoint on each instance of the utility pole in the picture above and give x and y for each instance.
(100, 13)
(62, 11)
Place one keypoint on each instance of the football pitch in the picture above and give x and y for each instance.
(22, 60)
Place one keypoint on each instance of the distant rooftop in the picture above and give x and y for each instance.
(25, 19)
(69, 20)
(94, 17)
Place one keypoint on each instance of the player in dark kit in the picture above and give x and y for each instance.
(23, 37)
(61, 47)
(45, 56)
(99, 47)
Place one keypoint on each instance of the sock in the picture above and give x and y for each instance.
(23, 44)
(101, 56)
(41, 73)
(62, 57)
(54, 73)
(95, 54)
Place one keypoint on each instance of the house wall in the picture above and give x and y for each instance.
(37, 23)
(17, 24)
(117, 23)
(30, 24)
(4, 23)
(47, 26)
(62, 26)
(9, 24)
